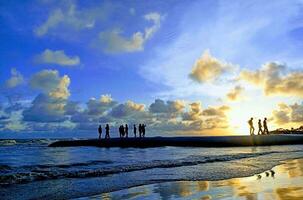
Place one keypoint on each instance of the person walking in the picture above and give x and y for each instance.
(100, 131)
(251, 126)
(135, 130)
(107, 131)
(260, 132)
(265, 131)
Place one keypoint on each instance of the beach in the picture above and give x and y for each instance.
(30, 169)
(284, 182)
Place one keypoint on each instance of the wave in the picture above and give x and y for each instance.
(48, 172)
(7, 142)
(11, 142)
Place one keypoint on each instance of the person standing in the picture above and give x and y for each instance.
(120, 131)
(265, 131)
(135, 130)
(140, 130)
(107, 131)
(251, 126)
(126, 130)
(100, 131)
(260, 127)
(143, 130)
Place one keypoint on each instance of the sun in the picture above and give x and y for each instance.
(240, 113)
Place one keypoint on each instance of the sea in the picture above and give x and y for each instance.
(29, 169)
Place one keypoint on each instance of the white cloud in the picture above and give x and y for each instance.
(57, 57)
(208, 68)
(274, 81)
(69, 16)
(50, 83)
(15, 79)
(114, 42)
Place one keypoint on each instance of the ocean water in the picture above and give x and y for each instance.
(29, 169)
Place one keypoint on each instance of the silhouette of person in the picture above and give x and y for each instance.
(140, 130)
(126, 130)
(265, 126)
(120, 131)
(143, 130)
(107, 131)
(100, 131)
(260, 127)
(251, 126)
(135, 130)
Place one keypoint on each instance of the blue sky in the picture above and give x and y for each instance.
(194, 56)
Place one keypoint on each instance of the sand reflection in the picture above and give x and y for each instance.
(283, 182)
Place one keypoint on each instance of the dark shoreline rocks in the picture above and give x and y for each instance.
(202, 141)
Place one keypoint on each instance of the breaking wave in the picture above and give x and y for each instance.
(26, 174)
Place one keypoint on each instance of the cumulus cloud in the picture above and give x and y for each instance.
(98, 107)
(57, 57)
(15, 79)
(208, 68)
(216, 111)
(195, 112)
(115, 42)
(45, 109)
(235, 93)
(49, 106)
(288, 114)
(159, 106)
(274, 80)
(50, 83)
(127, 109)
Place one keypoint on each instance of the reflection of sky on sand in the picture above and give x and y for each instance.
(283, 182)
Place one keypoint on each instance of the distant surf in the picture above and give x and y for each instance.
(32, 173)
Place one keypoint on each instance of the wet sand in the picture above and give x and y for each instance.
(283, 182)
(203, 141)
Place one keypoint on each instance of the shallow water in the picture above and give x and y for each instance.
(30, 169)
(284, 182)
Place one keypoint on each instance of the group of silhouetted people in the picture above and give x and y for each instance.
(261, 130)
(106, 131)
(123, 131)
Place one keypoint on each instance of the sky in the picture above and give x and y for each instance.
(181, 67)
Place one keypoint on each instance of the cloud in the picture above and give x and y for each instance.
(69, 16)
(45, 109)
(98, 107)
(207, 68)
(127, 109)
(195, 112)
(57, 57)
(288, 114)
(216, 111)
(235, 93)
(50, 83)
(49, 106)
(159, 106)
(15, 79)
(114, 42)
(274, 80)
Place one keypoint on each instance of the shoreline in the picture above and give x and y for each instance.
(202, 141)
(286, 176)
(83, 193)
